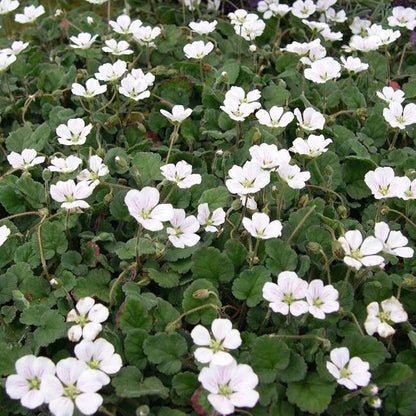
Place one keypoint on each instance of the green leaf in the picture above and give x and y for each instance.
(164, 279)
(275, 95)
(185, 384)
(216, 198)
(163, 314)
(367, 348)
(352, 97)
(127, 382)
(232, 69)
(249, 285)
(148, 167)
(133, 347)
(312, 395)
(166, 350)
(53, 239)
(392, 374)
(401, 399)
(209, 263)
(236, 252)
(280, 256)
(295, 371)
(134, 316)
(268, 356)
(94, 284)
(52, 328)
(24, 138)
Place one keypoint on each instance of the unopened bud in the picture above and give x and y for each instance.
(53, 282)
(219, 152)
(362, 113)
(375, 402)
(120, 161)
(90, 20)
(337, 249)
(236, 204)
(44, 212)
(370, 390)
(252, 48)
(329, 171)
(46, 175)
(143, 410)
(303, 201)
(173, 326)
(255, 260)
(201, 294)
(256, 136)
(108, 198)
(409, 281)
(342, 211)
(58, 12)
(314, 247)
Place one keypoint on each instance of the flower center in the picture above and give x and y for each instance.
(384, 190)
(384, 316)
(248, 183)
(356, 254)
(216, 345)
(34, 383)
(224, 390)
(345, 373)
(71, 391)
(318, 302)
(82, 320)
(145, 213)
(288, 298)
(93, 363)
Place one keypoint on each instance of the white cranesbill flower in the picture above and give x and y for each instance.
(275, 117)
(315, 53)
(293, 176)
(316, 27)
(72, 195)
(260, 226)
(248, 179)
(84, 40)
(96, 171)
(25, 384)
(117, 48)
(383, 183)
(6, 60)
(139, 74)
(303, 8)
(4, 234)
(145, 35)
(74, 386)
(351, 373)
(251, 29)
(239, 105)
(191, 4)
(409, 189)
(145, 208)
(124, 25)
(203, 27)
(213, 348)
(15, 48)
(380, 317)
(111, 72)
(249, 202)
(182, 232)
(321, 299)
(198, 49)
(65, 165)
(353, 65)
(7, 6)
(301, 49)
(331, 15)
(240, 16)
(310, 119)
(385, 36)
(288, 295)
(271, 8)
(134, 88)
(210, 220)
(324, 5)
(363, 44)
(75, 132)
(403, 17)
(179, 113)
(390, 95)
(394, 242)
(91, 89)
(399, 117)
(268, 157)
(331, 36)
(25, 160)
(181, 174)
(230, 386)
(29, 15)
(313, 146)
(323, 70)
(88, 317)
(360, 26)
(359, 252)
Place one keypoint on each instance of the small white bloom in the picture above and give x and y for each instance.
(6, 60)
(384, 184)
(240, 16)
(139, 74)
(301, 49)
(332, 15)
(275, 117)
(360, 26)
(324, 5)
(353, 65)
(313, 146)
(183, 231)
(239, 105)
(293, 176)
(181, 174)
(250, 29)
(4, 234)
(331, 36)
(7, 6)
(71, 195)
(261, 227)
(248, 179)
(124, 25)
(179, 113)
(390, 95)
(25, 160)
(303, 8)
(403, 17)
(409, 189)
(363, 44)
(16, 48)
(268, 157)
(65, 165)
(399, 117)
(191, 4)
(75, 132)
(134, 88)
(88, 317)
(203, 27)
(394, 242)
(271, 8)
(310, 119)
(90, 20)
(213, 348)
(198, 49)
(30, 14)
(360, 253)
(321, 299)
(386, 36)
(91, 89)
(82, 41)
(213, 4)
(145, 208)
(315, 53)
(351, 373)
(145, 35)
(111, 72)
(117, 48)
(248, 201)
(323, 70)
(97, 170)
(210, 221)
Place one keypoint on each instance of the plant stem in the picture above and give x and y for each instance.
(172, 140)
(301, 222)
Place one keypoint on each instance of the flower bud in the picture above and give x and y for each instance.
(173, 326)
(46, 175)
(337, 250)
(120, 161)
(255, 260)
(219, 152)
(58, 12)
(201, 294)
(252, 48)
(108, 198)
(54, 282)
(375, 402)
(370, 390)
(303, 201)
(314, 247)
(44, 212)
(236, 204)
(342, 211)
(409, 280)
(90, 20)
(143, 410)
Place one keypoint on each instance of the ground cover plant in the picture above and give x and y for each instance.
(207, 208)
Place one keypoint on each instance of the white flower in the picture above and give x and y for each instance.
(409, 189)
(363, 44)
(313, 146)
(97, 170)
(230, 386)
(239, 105)
(353, 65)
(7, 6)
(403, 17)
(30, 14)
(293, 176)
(214, 348)
(315, 26)
(248, 179)
(75, 132)
(261, 227)
(384, 184)
(213, 4)
(71, 195)
(134, 88)
(323, 70)
(240, 16)
(198, 49)
(90, 20)
(203, 27)
(275, 117)
(379, 319)
(321, 299)
(250, 29)
(351, 373)
(99, 355)
(400, 117)
(191, 4)
(145, 208)
(209, 220)
(82, 41)
(386, 36)
(360, 253)
(287, 296)
(65, 165)
(124, 25)
(394, 242)
(310, 120)
(267, 156)
(88, 317)
(97, 1)
(145, 35)
(179, 113)
(332, 15)
(315, 53)
(139, 74)
(360, 26)
(73, 385)
(6, 60)
(390, 95)
(91, 89)
(111, 72)
(25, 385)
(181, 174)
(183, 231)
(16, 48)
(301, 49)
(330, 36)
(25, 160)
(4, 234)
(117, 48)
(271, 8)
(248, 201)
(303, 8)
